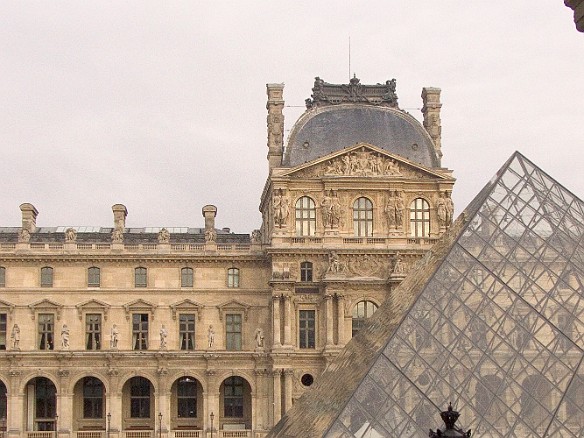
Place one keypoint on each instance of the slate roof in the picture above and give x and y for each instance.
(492, 320)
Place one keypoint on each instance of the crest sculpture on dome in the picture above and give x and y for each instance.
(324, 94)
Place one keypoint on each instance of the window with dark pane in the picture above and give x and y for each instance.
(93, 331)
(45, 404)
(3, 404)
(46, 331)
(3, 330)
(140, 397)
(233, 331)
(2, 276)
(186, 393)
(363, 217)
(186, 277)
(93, 277)
(47, 276)
(140, 277)
(307, 328)
(140, 331)
(233, 397)
(187, 331)
(306, 271)
(92, 398)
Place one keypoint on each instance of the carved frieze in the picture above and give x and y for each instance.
(368, 266)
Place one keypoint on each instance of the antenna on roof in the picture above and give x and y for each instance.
(349, 57)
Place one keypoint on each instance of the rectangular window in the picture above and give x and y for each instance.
(233, 331)
(186, 277)
(233, 277)
(3, 322)
(140, 277)
(187, 331)
(93, 332)
(140, 331)
(93, 277)
(46, 277)
(2, 276)
(92, 398)
(186, 397)
(46, 327)
(307, 328)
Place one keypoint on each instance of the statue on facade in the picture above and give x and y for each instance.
(259, 338)
(65, 337)
(449, 208)
(70, 235)
(390, 211)
(163, 335)
(398, 266)
(24, 236)
(400, 207)
(118, 235)
(164, 236)
(114, 333)
(256, 236)
(326, 209)
(210, 236)
(442, 213)
(281, 209)
(335, 265)
(336, 212)
(15, 336)
(211, 336)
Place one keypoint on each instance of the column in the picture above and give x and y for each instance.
(211, 402)
(114, 407)
(15, 405)
(64, 403)
(329, 319)
(341, 319)
(288, 388)
(276, 321)
(277, 402)
(163, 401)
(287, 320)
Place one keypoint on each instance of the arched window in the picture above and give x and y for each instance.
(233, 277)
(233, 397)
(47, 277)
(305, 212)
(41, 404)
(419, 218)
(363, 217)
(362, 311)
(93, 277)
(186, 397)
(140, 389)
(186, 277)
(92, 398)
(3, 404)
(140, 277)
(306, 271)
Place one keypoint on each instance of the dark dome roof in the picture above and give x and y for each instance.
(323, 130)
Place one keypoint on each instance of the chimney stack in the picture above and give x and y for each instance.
(209, 213)
(275, 121)
(120, 213)
(29, 215)
(431, 112)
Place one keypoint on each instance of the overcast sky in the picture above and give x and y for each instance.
(160, 105)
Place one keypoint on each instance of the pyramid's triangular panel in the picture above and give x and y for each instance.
(497, 329)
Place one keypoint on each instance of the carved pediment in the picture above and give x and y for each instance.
(186, 306)
(45, 305)
(93, 305)
(139, 306)
(233, 306)
(6, 306)
(364, 160)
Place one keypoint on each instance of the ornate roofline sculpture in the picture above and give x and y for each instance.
(324, 94)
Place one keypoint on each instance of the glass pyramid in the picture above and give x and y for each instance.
(493, 322)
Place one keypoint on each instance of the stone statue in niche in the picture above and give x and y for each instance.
(390, 211)
(164, 236)
(281, 208)
(210, 236)
(211, 336)
(70, 235)
(336, 212)
(325, 208)
(114, 333)
(163, 335)
(259, 338)
(118, 235)
(65, 337)
(449, 208)
(399, 209)
(15, 336)
(398, 265)
(442, 212)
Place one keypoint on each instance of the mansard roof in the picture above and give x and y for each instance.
(342, 115)
(491, 320)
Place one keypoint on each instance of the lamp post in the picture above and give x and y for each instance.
(109, 423)
(56, 426)
(449, 417)
(160, 425)
(212, 418)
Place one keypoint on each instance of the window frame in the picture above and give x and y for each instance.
(47, 276)
(306, 271)
(305, 342)
(140, 400)
(357, 321)
(46, 336)
(187, 275)
(186, 401)
(233, 337)
(233, 277)
(363, 217)
(3, 331)
(93, 335)
(236, 400)
(420, 223)
(140, 277)
(187, 337)
(93, 272)
(2, 276)
(140, 335)
(305, 216)
(93, 403)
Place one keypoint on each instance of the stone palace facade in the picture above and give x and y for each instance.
(199, 332)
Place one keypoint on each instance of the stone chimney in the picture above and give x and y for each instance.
(29, 215)
(275, 120)
(120, 213)
(209, 213)
(431, 112)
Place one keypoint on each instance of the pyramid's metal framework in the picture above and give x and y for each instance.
(492, 321)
